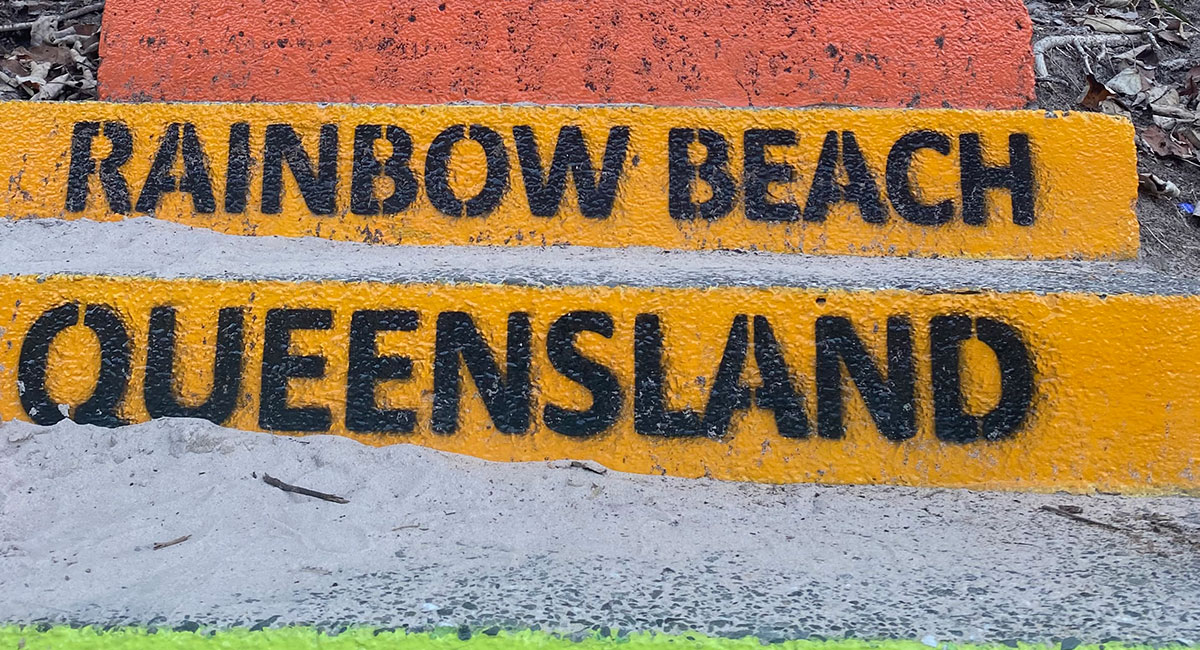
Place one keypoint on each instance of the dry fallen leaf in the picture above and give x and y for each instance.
(1165, 123)
(51, 53)
(1111, 107)
(1157, 141)
(13, 67)
(1094, 94)
(1129, 81)
(42, 32)
(1177, 113)
(1142, 54)
(36, 78)
(1112, 25)
(1170, 22)
(52, 89)
(1164, 96)
(1191, 83)
(1188, 134)
(1168, 144)
(1158, 187)
(1171, 37)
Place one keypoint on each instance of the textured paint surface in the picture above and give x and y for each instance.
(1081, 198)
(68, 638)
(884, 53)
(1112, 404)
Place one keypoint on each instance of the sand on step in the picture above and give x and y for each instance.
(432, 539)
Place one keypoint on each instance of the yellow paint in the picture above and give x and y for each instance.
(1114, 406)
(1084, 175)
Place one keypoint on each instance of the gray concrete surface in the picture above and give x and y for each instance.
(151, 247)
(430, 539)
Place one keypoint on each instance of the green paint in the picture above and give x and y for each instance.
(299, 638)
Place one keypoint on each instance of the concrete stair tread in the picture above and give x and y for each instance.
(155, 248)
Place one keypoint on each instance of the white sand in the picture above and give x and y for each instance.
(434, 539)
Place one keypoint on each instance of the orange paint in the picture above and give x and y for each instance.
(880, 53)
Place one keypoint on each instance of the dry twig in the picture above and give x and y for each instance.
(74, 13)
(1078, 41)
(274, 482)
(158, 546)
(1062, 512)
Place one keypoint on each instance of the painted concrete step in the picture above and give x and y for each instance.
(833, 181)
(958, 373)
(558, 548)
(883, 53)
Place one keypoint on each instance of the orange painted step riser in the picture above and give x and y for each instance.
(881, 53)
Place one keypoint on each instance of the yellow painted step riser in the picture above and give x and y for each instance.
(1008, 390)
(866, 182)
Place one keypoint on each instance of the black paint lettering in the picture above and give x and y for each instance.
(161, 178)
(159, 392)
(506, 395)
(596, 192)
(759, 174)
(437, 172)
(729, 393)
(367, 369)
(83, 166)
(890, 402)
(951, 421)
(367, 168)
(899, 180)
(860, 189)
(777, 392)
(598, 379)
(714, 171)
(279, 365)
(237, 175)
(651, 417)
(101, 407)
(319, 189)
(977, 177)
(35, 355)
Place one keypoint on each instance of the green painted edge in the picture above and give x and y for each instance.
(14, 637)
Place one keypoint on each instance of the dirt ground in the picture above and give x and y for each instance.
(1139, 58)
(49, 49)
(1170, 233)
